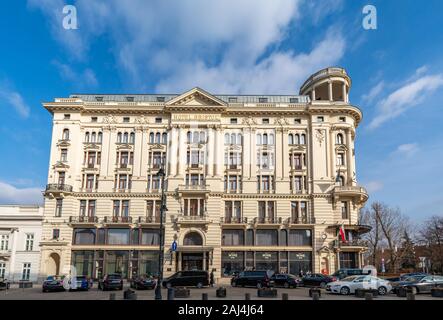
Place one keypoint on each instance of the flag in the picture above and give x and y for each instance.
(342, 233)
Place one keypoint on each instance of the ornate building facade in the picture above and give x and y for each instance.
(261, 182)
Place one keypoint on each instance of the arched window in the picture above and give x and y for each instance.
(125, 137)
(151, 137)
(202, 137)
(195, 137)
(189, 137)
(193, 239)
(100, 137)
(296, 139)
(87, 137)
(132, 138)
(239, 138)
(302, 138)
(233, 138)
(164, 138)
(271, 139)
(93, 137)
(119, 137)
(283, 241)
(291, 138)
(258, 138)
(226, 138)
(157, 137)
(65, 135)
(341, 181)
(339, 139)
(265, 138)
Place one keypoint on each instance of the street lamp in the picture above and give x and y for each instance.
(158, 290)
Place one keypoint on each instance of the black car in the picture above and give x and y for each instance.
(317, 280)
(256, 279)
(4, 284)
(194, 278)
(53, 283)
(143, 282)
(418, 283)
(111, 281)
(347, 272)
(285, 280)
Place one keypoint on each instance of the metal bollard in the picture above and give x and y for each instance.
(369, 296)
(410, 296)
(171, 293)
(204, 296)
(285, 296)
(315, 296)
(247, 296)
(112, 296)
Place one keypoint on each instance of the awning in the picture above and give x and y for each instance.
(194, 248)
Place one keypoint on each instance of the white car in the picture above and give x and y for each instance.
(348, 285)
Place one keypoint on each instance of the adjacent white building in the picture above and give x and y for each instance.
(20, 234)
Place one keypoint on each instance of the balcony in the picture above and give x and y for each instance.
(83, 220)
(193, 188)
(354, 243)
(149, 220)
(117, 220)
(268, 220)
(192, 220)
(359, 194)
(56, 189)
(5, 254)
(233, 220)
(300, 220)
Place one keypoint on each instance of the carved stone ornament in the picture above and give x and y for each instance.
(249, 121)
(142, 120)
(282, 121)
(320, 135)
(109, 119)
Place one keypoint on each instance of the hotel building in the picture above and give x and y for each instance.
(252, 181)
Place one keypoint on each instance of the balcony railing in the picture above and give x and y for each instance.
(233, 220)
(192, 219)
(193, 187)
(149, 219)
(300, 220)
(268, 220)
(56, 187)
(356, 189)
(83, 219)
(350, 243)
(115, 219)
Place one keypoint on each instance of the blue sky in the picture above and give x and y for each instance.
(232, 47)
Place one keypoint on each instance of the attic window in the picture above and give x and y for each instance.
(297, 121)
(158, 120)
(293, 100)
(160, 99)
(99, 98)
(93, 119)
(126, 119)
(342, 119)
(232, 99)
(233, 120)
(262, 100)
(265, 121)
(67, 116)
(130, 99)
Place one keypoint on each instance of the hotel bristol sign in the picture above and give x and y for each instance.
(196, 117)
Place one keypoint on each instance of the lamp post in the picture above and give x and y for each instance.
(158, 289)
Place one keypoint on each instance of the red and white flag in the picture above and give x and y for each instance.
(342, 233)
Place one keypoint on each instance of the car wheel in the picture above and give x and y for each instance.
(414, 290)
(344, 291)
(168, 285)
(259, 285)
(199, 285)
(382, 291)
(234, 284)
(322, 285)
(286, 285)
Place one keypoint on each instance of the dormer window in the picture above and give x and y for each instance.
(232, 99)
(99, 98)
(262, 100)
(160, 99)
(130, 99)
(293, 100)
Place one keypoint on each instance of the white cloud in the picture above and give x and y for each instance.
(373, 93)
(86, 78)
(222, 46)
(373, 186)
(407, 149)
(407, 96)
(12, 195)
(15, 100)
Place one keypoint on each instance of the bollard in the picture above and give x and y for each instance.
(247, 296)
(315, 296)
(112, 296)
(410, 296)
(204, 296)
(285, 296)
(369, 296)
(171, 293)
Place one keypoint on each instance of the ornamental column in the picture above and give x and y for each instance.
(218, 159)
(345, 98)
(210, 146)
(172, 152)
(330, 90)
(349, 155)
(182, 149)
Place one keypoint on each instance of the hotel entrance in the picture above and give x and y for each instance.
(194, 261)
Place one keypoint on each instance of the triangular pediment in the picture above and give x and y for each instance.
(196, 97)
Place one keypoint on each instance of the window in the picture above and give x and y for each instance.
(232, 99)
(58, 207)
(118, 236)
(262, 100)
(93, 119)
(4, 242)
(55, 234)
(271, 139)
(120, 208)
(91, 208)
(164, 138)
(82, 208)
(65, 135)
(339, 139)
(342, 119)
(341, 181)
(132, 138)
(265, 121)
(293, 100)
(233, 237)
(99, 98)
(158, 120)
(99, 137)
(321, 119)
(29, 244)
(26, 273)
(193, 239)
(290, 138)
(64, 155)
(66, 116)
(340, 159)
(300, 237)
(2, 270)
(302, 138)
(233, 121)
(297, 121)
(150, 237)
(344, 210)
(160, 99)
(130, 99)
(125, 137)
(258, 138)
(266, 237)
(84, 236)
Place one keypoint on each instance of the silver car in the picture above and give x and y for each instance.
(350, 284)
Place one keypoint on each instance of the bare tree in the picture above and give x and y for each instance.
(431, 236)
(373, 237)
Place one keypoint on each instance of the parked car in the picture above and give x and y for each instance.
(82, 283)
(256, 279)
(350, 284)
(53, 283)
(285, 280)
(111, 281)
(4, 284)
(317, 280)
(143, 282)
(194, 278)
(418, 283)
(347, 272)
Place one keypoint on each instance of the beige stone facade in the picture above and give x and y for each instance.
(258, 182)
